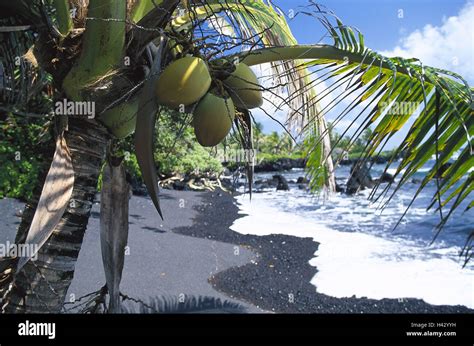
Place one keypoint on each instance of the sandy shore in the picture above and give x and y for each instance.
(194, 253)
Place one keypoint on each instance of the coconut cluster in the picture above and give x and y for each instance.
(218, 91)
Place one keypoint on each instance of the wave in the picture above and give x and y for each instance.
(359, 253)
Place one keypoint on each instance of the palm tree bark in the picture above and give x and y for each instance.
(41, 286)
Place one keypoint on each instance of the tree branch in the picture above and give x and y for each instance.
(102, 48)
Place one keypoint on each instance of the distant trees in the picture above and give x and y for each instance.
(346, 144)
(274, 144)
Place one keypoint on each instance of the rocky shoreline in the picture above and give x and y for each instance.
(283, 164)
(229, 179)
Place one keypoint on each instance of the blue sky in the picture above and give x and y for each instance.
(376, 19)
(438, 32)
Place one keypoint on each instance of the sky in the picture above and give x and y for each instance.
(438, 32)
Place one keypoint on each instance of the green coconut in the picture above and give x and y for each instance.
(121, 120)
(183, 82)
(244, 88)
(213, 119)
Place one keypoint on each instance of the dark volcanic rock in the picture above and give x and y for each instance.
(386, 178)
(339, 188)
(282, 184)
(179, 185)
(380, 159)
(265, 184)
(302, 180)
(359, 179)
(138, 188)
(227, 184)
(279, 165)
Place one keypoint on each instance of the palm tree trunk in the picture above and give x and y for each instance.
(41, 285)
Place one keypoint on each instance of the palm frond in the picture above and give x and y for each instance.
(391, 91)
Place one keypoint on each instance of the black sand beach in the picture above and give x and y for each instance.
(279, 280)
(194, 253)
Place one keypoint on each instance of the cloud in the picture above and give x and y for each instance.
(449, 46)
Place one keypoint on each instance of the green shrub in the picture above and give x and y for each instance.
(20, 159)
(177, 150)
(17, 178)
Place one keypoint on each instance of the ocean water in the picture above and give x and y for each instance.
(360, 253)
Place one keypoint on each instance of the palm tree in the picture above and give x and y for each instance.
(273, 142)
(286, 143)
(112, 54)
